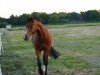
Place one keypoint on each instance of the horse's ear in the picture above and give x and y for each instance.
(30, 19)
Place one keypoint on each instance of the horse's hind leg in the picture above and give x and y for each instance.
(45, 61)
(40, 71)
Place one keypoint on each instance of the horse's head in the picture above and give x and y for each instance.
(31, 28)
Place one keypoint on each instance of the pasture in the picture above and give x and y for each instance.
(79, 45)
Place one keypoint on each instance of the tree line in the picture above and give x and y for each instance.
(53, 18)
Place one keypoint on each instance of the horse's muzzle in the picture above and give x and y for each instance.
(25, 38)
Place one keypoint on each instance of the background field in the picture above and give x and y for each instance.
(79, 45)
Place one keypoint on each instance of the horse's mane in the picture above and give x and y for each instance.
(42, 30)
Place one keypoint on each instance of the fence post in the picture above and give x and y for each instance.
(0, 49)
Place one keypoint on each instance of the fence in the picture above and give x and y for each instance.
(1, 47)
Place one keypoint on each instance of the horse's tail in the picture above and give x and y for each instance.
(54, 53)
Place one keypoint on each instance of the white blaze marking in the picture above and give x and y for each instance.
(25, 32)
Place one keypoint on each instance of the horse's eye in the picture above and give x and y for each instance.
(26, 27)
(31, 26)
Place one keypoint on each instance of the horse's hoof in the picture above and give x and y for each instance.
(40, 71)
(46, 74)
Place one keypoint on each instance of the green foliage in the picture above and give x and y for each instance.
(74, 16)
(91, 15)
(3, 24)
(55, 18)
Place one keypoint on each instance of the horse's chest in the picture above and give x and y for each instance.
(40, 43)
(34, 38)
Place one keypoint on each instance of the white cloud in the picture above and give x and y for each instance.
(17, 7)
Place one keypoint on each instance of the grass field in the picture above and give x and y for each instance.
(79, 45)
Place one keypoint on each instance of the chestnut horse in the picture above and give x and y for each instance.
(42, 41)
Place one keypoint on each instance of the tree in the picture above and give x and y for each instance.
(3, 24)
(35, 14)
(44, 17)
(73, 16)
(90, 15)
(63, 17)
(54, 18)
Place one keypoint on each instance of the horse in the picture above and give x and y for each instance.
(42, 41)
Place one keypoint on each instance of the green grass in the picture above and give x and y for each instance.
(73, 25)
(79, 47)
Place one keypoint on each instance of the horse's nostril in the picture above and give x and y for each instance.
(25, 38)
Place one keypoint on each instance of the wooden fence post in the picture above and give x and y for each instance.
(1, 48)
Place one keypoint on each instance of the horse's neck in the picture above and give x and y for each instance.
(42, 31)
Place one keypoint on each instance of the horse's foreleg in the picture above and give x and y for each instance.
(39, 63)
(45, 61)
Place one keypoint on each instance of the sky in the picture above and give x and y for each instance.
(18, 7)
